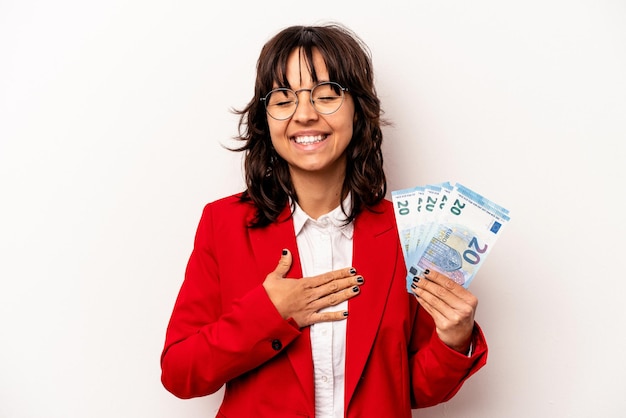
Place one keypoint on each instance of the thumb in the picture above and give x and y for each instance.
(284, 264)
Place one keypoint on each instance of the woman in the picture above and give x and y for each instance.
(330, 330)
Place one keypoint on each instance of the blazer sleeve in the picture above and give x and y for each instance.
(208, 344)
(437, 371)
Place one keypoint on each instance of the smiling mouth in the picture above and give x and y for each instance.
(306, 140)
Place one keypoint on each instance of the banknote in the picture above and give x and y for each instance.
(436, 197)
(406, 206)
(453, 230)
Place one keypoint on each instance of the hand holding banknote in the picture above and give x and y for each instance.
(451, 306)
(446, 232)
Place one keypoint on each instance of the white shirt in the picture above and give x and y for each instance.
(325, 244)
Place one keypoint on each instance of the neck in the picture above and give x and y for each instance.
(317, 197)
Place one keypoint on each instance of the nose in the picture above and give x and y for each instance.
(305, 110)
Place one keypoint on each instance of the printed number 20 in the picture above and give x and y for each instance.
(471, 256)
(457, 206)
(402, 207)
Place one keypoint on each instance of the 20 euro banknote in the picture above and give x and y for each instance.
(455, 237)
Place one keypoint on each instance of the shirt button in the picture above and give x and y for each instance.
(277, 345)
(324, 379)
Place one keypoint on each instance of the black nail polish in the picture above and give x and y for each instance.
(426, 271)
(352, 270)
(416, 279)
(355, 289)
(413, 285)
(345, 313)
(360, 280)
(285, 252)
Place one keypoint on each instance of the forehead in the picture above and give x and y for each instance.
(302, 70)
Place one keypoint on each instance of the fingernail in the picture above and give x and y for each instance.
(416, 279)
(355, 289)
(352, 270)
(426, 271)
(413, 285)
(345, 313)
(360, 280)
(285, 252)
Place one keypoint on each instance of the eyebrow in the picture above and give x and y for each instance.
(288, 86)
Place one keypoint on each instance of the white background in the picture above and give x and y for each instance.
(112, 116)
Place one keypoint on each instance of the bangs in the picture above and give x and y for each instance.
(306, 42)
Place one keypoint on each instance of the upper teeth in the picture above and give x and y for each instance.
(308, 139)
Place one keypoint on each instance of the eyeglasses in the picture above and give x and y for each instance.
(326, 98)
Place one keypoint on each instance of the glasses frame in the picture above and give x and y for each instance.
(342, 89)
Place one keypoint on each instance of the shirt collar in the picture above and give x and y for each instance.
(335, 217)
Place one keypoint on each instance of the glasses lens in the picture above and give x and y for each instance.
(327, 97)
(281, 103)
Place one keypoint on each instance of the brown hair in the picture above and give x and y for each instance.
(349, 63)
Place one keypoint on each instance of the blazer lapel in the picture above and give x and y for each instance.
(374, 257)
(267, 244)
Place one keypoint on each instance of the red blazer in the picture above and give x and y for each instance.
(225, 330)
